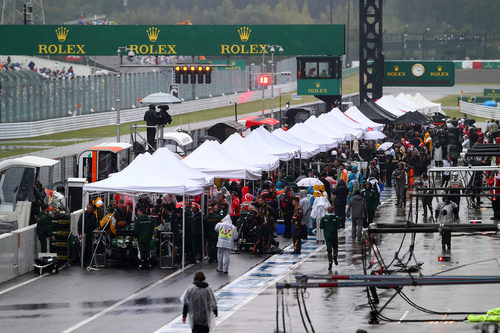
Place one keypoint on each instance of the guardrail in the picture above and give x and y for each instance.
(58, 125)
(476, 110)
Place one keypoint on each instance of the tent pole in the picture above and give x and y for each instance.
(287, 168)
(84, 208)
(202, 226)
(183, 228)
(300, 162)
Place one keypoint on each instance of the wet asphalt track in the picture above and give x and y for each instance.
(127, 300)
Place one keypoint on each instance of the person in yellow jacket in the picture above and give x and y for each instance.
(428, 141)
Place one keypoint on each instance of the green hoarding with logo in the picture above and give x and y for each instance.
(171, 40)
(419, 73)
(490, 65)
(492, 92)
(236, 65)
(319, 87)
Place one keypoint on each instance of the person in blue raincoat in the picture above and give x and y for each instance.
(354, 182)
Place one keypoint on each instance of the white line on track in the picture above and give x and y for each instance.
(22, 284)
(403, 316)
(117, 304)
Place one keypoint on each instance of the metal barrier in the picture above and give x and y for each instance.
(18, 250)
(476, 110)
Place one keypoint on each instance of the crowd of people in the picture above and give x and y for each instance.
(46, 72)
(313, 198)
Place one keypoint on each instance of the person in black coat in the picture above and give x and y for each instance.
(340, 195)
(151, 119)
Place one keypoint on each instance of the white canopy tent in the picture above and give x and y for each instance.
(168, 160)
(338, 115)
(238, 148)
(210, 159)
(403, 99)
(340, 127)
(435, 107)
(304, 132)
(272, 145)
(326, 127)
(145, 174)
(387, 103)
(373, 135)
(307, 149)
(354, 113)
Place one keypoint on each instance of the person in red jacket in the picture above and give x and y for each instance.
(494, 181)
(235, 208)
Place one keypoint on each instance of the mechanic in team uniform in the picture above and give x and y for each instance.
(143, 232)
(330, 224)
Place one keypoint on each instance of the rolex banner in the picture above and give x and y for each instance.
(419, 73)
(171, 40)
(319, 87)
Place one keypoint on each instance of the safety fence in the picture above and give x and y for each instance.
(27, 96)
(477, 110)
(128, 114)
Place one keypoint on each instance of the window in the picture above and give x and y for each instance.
(16, 184)
(311, 69)
(324, 70)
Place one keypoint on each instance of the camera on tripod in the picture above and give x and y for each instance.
(163, 117)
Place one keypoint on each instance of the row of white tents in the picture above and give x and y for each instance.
(402, 103)
(246, 158)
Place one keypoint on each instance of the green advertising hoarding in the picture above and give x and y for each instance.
(236, 65)
(171, 40)
(492, 92)
(419, 73)
(319, 87)
(490, 65)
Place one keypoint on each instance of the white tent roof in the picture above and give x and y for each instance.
(435, 107)
(210, 159)
(27, 161)
(306, 133)
(354, 113)
(272, 145)
(340, 116)
(307, 149)
(373, 135)
(412, 104)
(387, 102)
(327, 127)
(168, 160)
(143, 174)
(242, 150)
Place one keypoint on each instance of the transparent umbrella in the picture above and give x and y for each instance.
(160, 99)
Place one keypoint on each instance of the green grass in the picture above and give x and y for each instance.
(15, 152)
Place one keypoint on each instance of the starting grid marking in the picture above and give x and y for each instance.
(248, 286)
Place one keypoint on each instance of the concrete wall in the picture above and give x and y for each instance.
(18, 251)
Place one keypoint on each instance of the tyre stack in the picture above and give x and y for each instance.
(61, 226)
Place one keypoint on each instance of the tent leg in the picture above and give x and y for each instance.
(287, 168)
(202, 226)
(300, 162)
(183, 228)
(84, 208)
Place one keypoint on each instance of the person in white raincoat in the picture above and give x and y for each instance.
(319, 209)
(200, 304)
(227, 235)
